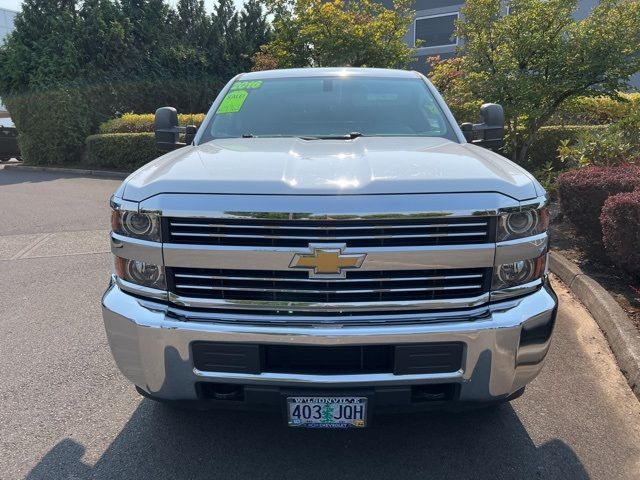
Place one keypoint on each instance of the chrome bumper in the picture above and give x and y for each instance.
(504, 349)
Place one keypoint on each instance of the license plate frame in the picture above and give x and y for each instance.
(327, 411)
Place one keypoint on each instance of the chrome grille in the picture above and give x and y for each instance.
(353, 233)
(358, 286)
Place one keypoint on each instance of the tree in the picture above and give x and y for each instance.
(447, 76)
(254, 31)
(338, 33)
(40, 64)
(538, 56)
(87, 60)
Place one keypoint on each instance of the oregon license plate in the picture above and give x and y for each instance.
(327, 412)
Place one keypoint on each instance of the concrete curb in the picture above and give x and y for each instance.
(73, 171)
(621, 333)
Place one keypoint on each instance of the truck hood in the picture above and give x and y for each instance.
(365, 165)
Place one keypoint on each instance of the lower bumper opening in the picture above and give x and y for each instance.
(381, 397)
(221, 391)
(433, 393)
(425, 358)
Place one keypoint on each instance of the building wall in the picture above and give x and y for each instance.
(6, 26)
(6, 22)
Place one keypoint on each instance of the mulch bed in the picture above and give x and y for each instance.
(593, 261)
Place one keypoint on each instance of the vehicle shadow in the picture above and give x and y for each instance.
(9, 176)
(162, 443)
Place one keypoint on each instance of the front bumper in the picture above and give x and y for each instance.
(503, 349)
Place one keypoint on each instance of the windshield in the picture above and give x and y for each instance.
(317, 108)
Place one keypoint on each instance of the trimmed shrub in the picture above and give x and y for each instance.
(545, 148)
(584, 191)
(596, 110)
(52, 125)
(612, 145)
(139, 123)
(620, 221)
(121, 151)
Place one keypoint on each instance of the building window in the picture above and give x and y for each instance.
(436, 31)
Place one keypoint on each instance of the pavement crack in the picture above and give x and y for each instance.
(31, 246)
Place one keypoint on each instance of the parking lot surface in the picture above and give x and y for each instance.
(67, 413)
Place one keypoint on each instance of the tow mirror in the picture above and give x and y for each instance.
(490, 132)
(168, 132)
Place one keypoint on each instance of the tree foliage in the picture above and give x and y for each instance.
(322, 33)
(120, 56)
(539, 56)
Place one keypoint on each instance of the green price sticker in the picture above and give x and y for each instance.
(232, 102)
(246, 85)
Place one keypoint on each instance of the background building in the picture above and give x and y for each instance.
(6, 22)
(6, 25)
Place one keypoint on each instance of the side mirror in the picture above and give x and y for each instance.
(168, 132)
(490, 133)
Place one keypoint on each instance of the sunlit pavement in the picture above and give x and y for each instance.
(66, 412)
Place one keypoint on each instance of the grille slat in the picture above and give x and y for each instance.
(315, 280)
(333, 292)
(366, 286)
(359, 227)
(353, 233)
(325, 239)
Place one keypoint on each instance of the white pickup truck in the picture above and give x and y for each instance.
(329, 243)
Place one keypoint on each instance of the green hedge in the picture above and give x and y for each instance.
(121, 151)
(127, 142)
(596, 110)
(52, 125)
(139, 123)
(545, 147)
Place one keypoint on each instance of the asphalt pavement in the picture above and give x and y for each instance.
(67, 413)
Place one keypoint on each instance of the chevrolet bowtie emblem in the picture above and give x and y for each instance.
(327, 261)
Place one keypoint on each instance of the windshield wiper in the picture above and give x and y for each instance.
(349, 136)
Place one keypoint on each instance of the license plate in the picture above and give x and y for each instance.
(327, 412)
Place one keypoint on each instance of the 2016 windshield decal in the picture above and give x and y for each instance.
(246, 85)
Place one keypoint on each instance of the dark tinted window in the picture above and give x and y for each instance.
(329, 106)
(427, 4)
(436, 31)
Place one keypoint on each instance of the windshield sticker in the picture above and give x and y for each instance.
(232, 102)
(246, 85)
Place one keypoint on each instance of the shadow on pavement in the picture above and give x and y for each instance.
(159, 442)
(9, 176)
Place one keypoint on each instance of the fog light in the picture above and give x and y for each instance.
(140, 273)
(516, 272)
(519, 272)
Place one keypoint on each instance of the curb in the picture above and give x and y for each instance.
(73, 171)
(621, 333)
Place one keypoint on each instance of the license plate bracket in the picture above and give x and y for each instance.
(327, 411)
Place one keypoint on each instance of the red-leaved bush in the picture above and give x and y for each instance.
(583, 193)
(620, 221)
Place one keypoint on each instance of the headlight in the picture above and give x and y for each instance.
(145, 226)
(141, 273)
(518, 273)
(524, 223)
